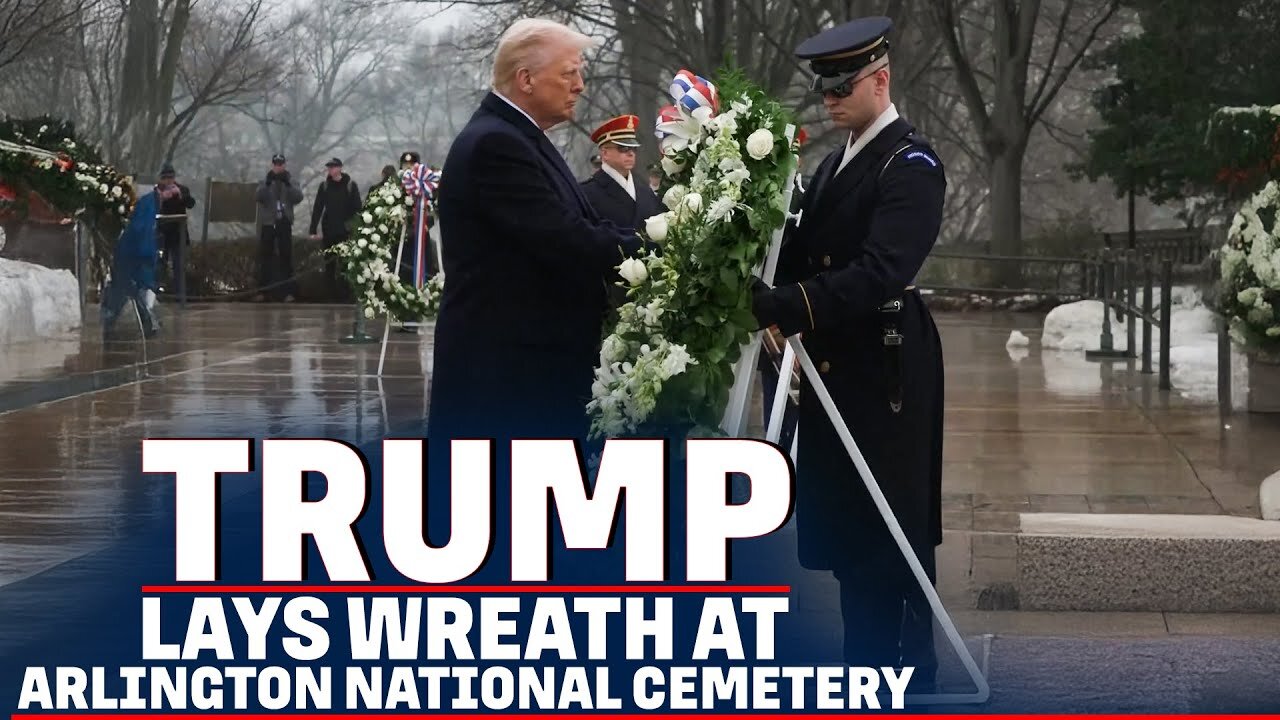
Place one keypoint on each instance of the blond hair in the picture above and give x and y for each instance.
(525, 45)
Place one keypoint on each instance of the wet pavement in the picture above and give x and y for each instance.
(1049, 432)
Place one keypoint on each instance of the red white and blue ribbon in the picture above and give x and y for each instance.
(695, 101)
(692, 92)
(420, 184)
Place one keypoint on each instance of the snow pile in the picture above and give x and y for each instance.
(1193, 352)
(36, 302)
(1018, 346)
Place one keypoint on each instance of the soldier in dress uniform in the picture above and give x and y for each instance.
(845, 282)
(615, 191)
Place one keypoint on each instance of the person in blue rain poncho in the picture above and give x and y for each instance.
(133, 268)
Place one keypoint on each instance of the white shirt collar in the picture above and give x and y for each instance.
(628, 183)
(520, 110)
(854, 146)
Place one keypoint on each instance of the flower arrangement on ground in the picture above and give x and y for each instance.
(667, 362)
(368, 258)
(1250, 263)
(1248, 142)
(43, 156)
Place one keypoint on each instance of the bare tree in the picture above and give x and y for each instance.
(337, 48)
(991, 45)
(176, 63)
(26, 24)
(420, 101)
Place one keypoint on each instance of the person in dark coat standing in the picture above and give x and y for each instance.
(337, 201)
(845, 281)
(615, 191)
(277, 195)
(527, 259)
(175, 199)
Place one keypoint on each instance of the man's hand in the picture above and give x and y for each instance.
(762, 303)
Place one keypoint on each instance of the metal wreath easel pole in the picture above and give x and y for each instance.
(434, 235)
(386, 330)
(796, 350)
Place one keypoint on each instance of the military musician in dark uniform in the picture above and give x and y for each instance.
(845, 282)
(615, 191)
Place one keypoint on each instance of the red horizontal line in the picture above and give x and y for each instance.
(557, 716)
(471, 589)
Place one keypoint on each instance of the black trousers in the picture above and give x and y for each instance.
(887, 618)
(172, 235)
(335, 285)
(275, 260)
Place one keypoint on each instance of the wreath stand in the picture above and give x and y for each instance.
(433, 234)
(734, 423)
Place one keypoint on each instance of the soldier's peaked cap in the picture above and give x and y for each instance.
(619, 131)
(837, 54)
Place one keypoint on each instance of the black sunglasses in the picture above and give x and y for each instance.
(844, 89)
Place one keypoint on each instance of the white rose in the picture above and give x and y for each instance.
(367, 217)
(612, 350)
(368, 312)
(670, 166)
(123, 210)
(363, 243)
(760, 144)
(656, 228)
(674, 195)
(633, 271)
(43, 129)
(693, 201)
(116, 191)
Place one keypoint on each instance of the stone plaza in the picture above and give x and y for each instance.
(1083, 508)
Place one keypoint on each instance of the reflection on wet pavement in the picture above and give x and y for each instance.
(1040, 432)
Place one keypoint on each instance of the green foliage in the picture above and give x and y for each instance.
(1246, 144)
(1250, 265)
(667, 363)
(64, 170)
(368, 258)
(1191, 58)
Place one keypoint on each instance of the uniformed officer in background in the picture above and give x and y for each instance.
(616, 192)
(845, 281)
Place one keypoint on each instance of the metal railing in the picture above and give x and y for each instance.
(1059, 277)
(1116, 286)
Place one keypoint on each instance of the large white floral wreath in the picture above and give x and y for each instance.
(1245, 142)
(1251, 272)
(667, 364)
(368, 258)
(48, 161)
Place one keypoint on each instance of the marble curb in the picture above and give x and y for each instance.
(1147, 562)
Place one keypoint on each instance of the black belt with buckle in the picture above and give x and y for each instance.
(893, 360)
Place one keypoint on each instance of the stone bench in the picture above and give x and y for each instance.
(1147, 562)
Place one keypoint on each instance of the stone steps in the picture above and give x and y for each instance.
(1145, 562)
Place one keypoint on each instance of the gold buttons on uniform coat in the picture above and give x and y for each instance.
(826, 261)
(824, 367)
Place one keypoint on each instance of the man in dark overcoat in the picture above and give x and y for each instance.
(845, 282)
(528, 261)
